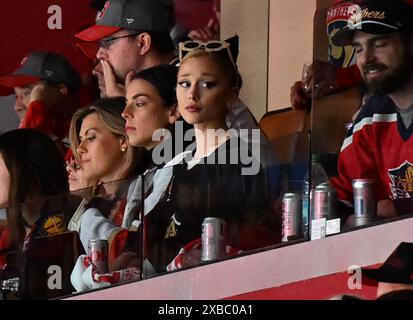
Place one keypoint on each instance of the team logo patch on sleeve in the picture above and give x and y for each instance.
(401, 181)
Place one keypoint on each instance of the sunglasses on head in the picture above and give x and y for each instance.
(210, 46)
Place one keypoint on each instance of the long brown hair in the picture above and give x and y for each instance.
(37, 170)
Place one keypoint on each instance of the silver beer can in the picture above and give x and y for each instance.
(213, 239)
(99, 255)
(291, 216)
(365, 204)
(323, 202)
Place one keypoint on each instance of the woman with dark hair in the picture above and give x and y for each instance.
(31, 168)
(151, 105)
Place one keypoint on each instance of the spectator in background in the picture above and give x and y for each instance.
(46, 87)
(75, 173)
(339, 74)
(31, 168)
(197, 20)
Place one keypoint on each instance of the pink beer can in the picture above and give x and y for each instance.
(291, 216)
(99, 255)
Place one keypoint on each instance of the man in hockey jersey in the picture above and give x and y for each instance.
(380, 146)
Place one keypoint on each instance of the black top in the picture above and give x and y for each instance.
(214, 188)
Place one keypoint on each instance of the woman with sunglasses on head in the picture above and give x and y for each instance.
(210, 181)
(33, 186)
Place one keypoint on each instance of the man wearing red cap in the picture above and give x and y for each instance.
(131, 36)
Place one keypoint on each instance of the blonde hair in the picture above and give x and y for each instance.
(109, 111)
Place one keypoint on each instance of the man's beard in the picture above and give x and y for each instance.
(393, 79)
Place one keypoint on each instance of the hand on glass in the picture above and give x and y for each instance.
(298, 98)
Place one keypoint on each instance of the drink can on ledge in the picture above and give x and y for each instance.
(365, 204)
(99, 255)
(291, 216)
(213, 239)
(324, 199)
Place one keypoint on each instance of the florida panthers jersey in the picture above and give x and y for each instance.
(378, 146)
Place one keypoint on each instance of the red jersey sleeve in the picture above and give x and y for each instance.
(37, 117)
(356, 161)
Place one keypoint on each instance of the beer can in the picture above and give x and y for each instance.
(365, 204)
(324, 199)
(291, 216)
(99, 255)
(213, 239)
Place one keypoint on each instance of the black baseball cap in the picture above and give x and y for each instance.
(376, 17)
(143, 15)
(398, 267)
(37, 66)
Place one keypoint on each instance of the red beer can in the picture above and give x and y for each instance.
(99, 255)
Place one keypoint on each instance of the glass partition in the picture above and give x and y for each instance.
(204, 210)
(268, 194)
(74, 242)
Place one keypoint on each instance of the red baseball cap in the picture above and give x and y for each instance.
(143, 15)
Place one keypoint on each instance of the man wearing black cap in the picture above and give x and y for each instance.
(50, 85)
(379, 145)
(395, 275)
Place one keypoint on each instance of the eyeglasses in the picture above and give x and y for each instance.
(210, 46)
(106, 43)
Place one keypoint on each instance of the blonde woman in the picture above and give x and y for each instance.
(101, 147)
